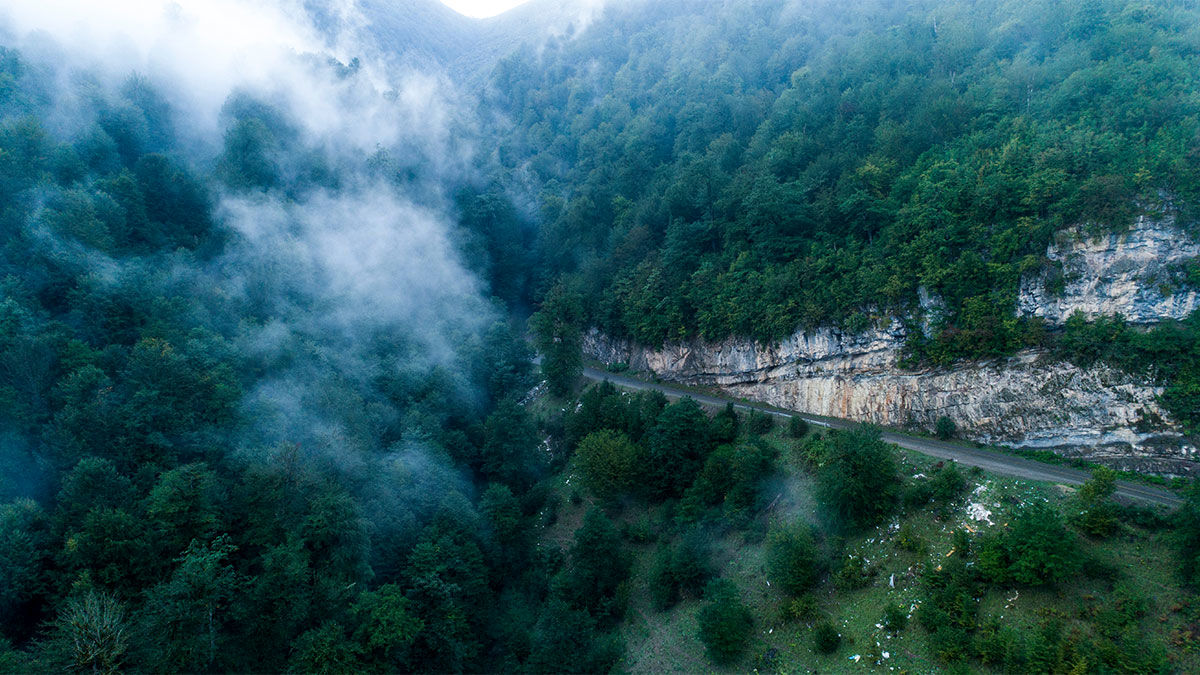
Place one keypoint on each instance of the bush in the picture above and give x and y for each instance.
(797, 427)
(895, 618)
(760, 423)
(854, 573)
(945, 428)
(793, 560)
(1095, 514)
(907, 539)
(725, 623)
(1036, 549)
(826, 639)
(802, 608)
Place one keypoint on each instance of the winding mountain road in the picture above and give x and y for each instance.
(989, 460)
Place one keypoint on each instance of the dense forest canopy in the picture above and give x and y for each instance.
(266, 398)
(751, 168)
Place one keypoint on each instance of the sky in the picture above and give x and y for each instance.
(482, 8)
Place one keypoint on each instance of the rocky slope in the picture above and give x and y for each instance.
(1129, 274)
(1028, 400)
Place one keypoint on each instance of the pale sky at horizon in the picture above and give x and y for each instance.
(482, 8)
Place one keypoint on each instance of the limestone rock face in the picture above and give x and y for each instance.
(1115, 274)
(1028, 400)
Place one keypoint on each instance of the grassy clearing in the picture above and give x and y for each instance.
(667, 641)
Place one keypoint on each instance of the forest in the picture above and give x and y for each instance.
(269, 399)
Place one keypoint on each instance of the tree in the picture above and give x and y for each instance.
(945, 428)
(557, 330)
(597, 568)
(510, 446)
(1187, 534)
(677, 444)
(90, 635)
(793, 559)
(1095, 513)
(387, 626)
(1036, 549)
(189, 611)
(725, 622)
(25, 545)
(609, 461)
(859, 482)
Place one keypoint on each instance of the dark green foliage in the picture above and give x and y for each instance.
(610, 463)
(942, 487)
(725, 622)
(1096, 513)
(793, 559)
(797, 426)
(950, 610)
(682, 567)
(90, 634)
(677, 446)
(567, 640)
(1187, 537)
(858, 483)
(725, 425)
(759, 423)
(510, 447)
(853, 573)
(731, 479)
(594, 578)
(1035, 549)
(855, 157)
(945, 428)
(557, 327)
(826, 639)
(895, 618)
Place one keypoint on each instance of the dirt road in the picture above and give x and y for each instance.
(989, 460)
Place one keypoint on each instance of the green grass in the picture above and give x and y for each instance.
(668, 641)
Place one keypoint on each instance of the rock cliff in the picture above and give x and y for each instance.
(1029, 400)
(1128, 273)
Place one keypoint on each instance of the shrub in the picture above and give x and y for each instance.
(802, 608)
(854, 573)
(1095, 513)
(945, 428)
(895, 618)
(725, 623)
(609, 462)
(760, 423)
(908, 539)
(793, 560)
(826, 639)
(1036, 549)
(797, 427)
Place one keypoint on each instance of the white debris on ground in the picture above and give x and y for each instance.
(979, 513)
(533, 393)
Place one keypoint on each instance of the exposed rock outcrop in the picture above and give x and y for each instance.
(1029, 400)
(1125, 273)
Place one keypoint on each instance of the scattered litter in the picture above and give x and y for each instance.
(886, 655)
(979, 513)
(855, 658)
(892, 581)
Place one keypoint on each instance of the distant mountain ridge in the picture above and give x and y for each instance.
(468, 47)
